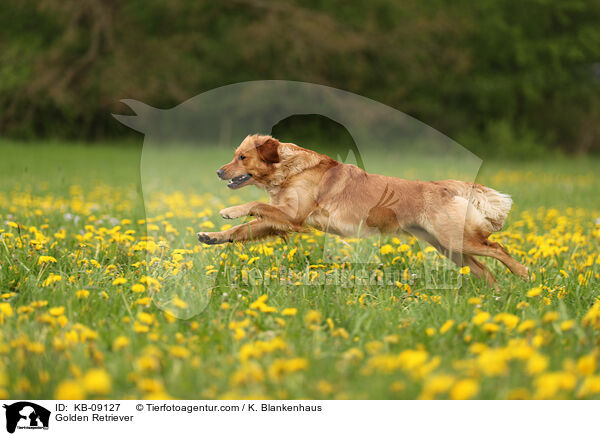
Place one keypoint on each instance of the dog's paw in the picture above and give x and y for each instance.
(231, 213)
(206, 238)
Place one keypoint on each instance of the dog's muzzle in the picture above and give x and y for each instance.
(237, 181)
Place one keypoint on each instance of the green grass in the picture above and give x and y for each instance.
(351, 341)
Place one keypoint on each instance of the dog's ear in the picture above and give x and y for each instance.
(268, 151)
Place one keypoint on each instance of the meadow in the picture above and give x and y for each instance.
(90, 304)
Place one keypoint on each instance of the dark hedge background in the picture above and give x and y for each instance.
(506, 77)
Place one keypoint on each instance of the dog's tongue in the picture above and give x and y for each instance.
(238, 180)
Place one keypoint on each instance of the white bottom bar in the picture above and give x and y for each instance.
(299, 417)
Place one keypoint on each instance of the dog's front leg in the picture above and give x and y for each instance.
(259, 210)
(250, 231)
(233, 212)
(281, 215)
(246, 209)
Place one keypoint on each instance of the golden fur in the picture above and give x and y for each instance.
(308, 189)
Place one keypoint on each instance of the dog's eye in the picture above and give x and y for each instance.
(242, 157)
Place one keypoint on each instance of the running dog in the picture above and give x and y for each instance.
(308, 189)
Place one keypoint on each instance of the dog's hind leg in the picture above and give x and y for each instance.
(462, 228)
(479, 269)
(422, 234)
(485, 247)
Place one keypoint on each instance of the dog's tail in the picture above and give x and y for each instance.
(493, 205)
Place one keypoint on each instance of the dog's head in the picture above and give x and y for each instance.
(252, 162)
(264, 161)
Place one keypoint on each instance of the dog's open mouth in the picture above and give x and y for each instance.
(238, 181)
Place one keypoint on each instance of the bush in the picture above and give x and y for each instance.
(501, 139)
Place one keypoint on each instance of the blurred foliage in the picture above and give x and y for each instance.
(503, 77)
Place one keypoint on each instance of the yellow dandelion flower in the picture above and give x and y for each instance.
(490, 327)
(62, 320)
(313, 317)
(120, 342)
(6, 309)
(446, 326)
(249, 372)
(480, 318)
(138, 287)
(179, 303)
(46, 259)
(536, 364)
(586, 365)
(140, 328)
(97, 381)
(281, 367)
(169, 316)
(525, 325)
(493, 362)
(590, 386)
(57, 311)
(386, 249)
(567, 325)
(435, 385)
(509, 320)
(69, 390)
(82, 293)
(35, 347)
(324, 387)
(179, 351)
(146, 318)
(464, 389)
(549, 384)
(373, 347)
(550, 317)
(147, 363)
(534, 292)
(51, 279)
(239, 334)
(341, 332)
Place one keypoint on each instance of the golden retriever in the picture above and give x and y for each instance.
(308, 189)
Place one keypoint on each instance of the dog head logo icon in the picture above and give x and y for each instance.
(26, 415)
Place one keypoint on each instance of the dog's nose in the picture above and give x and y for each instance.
(220, 173)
